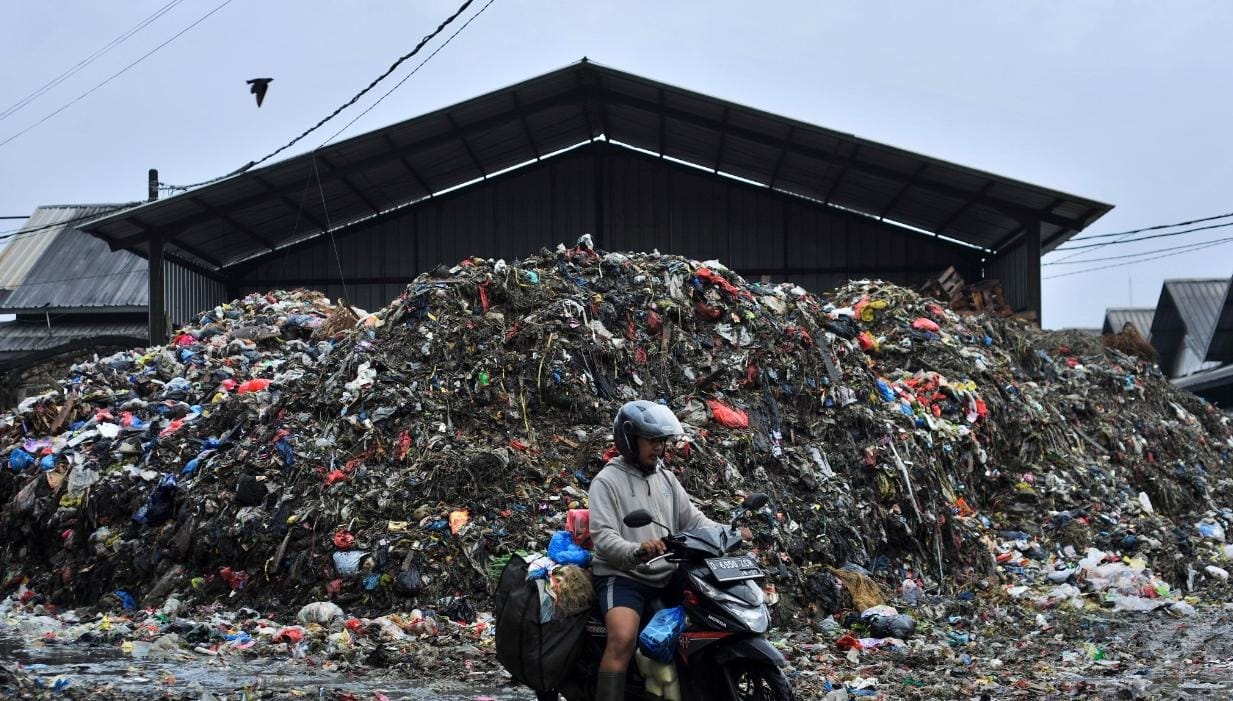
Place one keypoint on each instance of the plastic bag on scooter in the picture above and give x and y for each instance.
(540, 654)
(658, 639)
(564, 551)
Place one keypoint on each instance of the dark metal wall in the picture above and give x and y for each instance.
(188, 293)
(1018, 269)
(629, 202)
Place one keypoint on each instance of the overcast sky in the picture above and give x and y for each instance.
(1123, 102)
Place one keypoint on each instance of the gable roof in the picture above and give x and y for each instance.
(50, 265)
(1116, 319)
(262, 210)
(1185, 322)
(1220, 349)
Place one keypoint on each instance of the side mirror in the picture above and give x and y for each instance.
(638, 519)
(755, 501)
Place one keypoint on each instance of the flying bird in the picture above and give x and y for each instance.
(260, 85)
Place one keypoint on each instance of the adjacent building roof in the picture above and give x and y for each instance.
(1185, 323)
(1116, 319)
(1221, 347)
(23, 340)
(265, 209)
(51, 266)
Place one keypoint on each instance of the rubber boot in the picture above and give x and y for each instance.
(610, 686)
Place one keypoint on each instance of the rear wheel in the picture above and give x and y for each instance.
(760, 682)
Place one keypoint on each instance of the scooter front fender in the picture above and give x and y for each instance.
(753, 648)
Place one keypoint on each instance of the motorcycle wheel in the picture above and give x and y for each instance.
(760, 682)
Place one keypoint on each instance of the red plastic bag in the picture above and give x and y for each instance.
(578, 522)
(254, 385)
(726, 415)
(923, 324)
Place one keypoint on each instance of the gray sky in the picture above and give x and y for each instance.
(1123, 102)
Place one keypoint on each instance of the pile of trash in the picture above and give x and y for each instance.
(285, 450)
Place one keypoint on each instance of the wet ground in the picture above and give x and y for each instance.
(1089, 654)
(108, 672)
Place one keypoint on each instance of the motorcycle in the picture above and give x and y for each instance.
(722, 653)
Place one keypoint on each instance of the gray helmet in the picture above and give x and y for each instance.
(642, 418)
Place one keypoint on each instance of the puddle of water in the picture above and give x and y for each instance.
(97, 667)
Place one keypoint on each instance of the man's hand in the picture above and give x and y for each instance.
(746, 534)
(652, 548)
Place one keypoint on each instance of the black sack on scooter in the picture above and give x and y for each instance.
(540, 655)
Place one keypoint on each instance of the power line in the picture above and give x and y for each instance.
(117, 74)
(441, 27)
(87, 60)
(20, 232)
(1220, 242)
(413, 72)
(1152, 228)
(1145, 238)
(1186, 246)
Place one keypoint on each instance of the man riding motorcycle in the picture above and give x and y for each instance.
(635, 480)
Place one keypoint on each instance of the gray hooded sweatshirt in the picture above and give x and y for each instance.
(621, 487)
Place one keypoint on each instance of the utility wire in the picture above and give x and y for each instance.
(20, 232)
(87, 60)
(120, 72)
(441, 27)
(413, 72)
(1220, 242)
(1152, 228)
(1140, 254)
(1144, 238)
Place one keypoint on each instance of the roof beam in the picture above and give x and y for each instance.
(1013, 237)
(298, 208)
(847, 162)
(466, 146)
(232, 222)
(941, 228)
(783, 154)
(526, 127)
(591, 90)
(212, 274)
(723, 140)
(346, 180)
(902, 191)
(406, 163)
(663, 122)
(1007, 208)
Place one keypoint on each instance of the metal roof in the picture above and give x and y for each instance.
(1221, 347)
(19, 339)
(1116, 319)
(265, 209)
(1185, 321)
(56, 267)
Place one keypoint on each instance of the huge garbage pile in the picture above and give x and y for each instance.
(284, 450)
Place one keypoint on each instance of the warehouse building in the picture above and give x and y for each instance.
(638, 164)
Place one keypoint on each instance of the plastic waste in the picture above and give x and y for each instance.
(658, 639)
(563, 550)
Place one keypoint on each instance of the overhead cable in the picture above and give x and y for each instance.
(1143, 238)
(1220, 242)
(1140, 254)
(120, 72)
(333, 114)
(413, 72)
(88, 60)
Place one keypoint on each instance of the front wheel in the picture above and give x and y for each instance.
(752, 681)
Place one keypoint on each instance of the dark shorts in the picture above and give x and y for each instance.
(612, 591)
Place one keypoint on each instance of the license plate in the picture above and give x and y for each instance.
(731, 569)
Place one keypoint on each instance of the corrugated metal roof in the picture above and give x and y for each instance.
(20, 338)
(1221, 347)
(260, 211)
(28, 244)
(59, 268)
(1199, 381)
(1185, 322)
(1116, 319)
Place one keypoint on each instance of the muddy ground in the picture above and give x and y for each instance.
(960, 653)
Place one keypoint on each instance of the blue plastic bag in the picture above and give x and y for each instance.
(20, 460)
(564, 551)
(658, 640)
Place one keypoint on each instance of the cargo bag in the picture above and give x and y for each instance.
(538, 654)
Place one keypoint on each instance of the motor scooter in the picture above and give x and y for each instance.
(723, 653)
